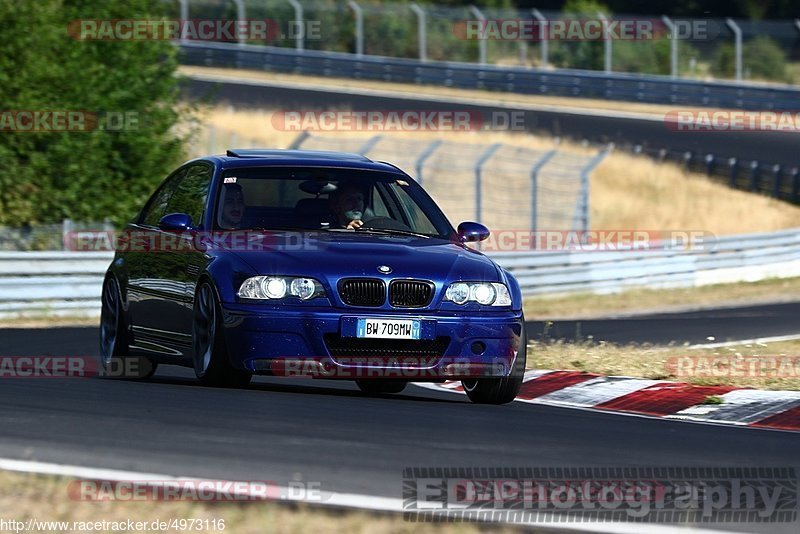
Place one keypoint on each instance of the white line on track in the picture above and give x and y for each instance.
(772, 339)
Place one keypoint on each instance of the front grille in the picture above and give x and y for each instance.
(362, 292)
(410, 293)
(416, 351)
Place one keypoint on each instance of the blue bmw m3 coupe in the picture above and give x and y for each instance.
(284, 262)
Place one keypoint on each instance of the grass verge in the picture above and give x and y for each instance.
(23, 496)
(773, 366)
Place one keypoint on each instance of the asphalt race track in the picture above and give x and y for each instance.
(330, 433)
(722, 324)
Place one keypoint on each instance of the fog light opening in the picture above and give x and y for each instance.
(478, 347)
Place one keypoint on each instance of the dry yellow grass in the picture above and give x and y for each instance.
(45, 498)
(636, 192)
(780, 370)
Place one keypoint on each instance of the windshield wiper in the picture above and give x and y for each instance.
(392, 231)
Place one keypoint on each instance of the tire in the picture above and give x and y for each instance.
(115, 339)
(500, 390)
(210, 355)
(377, 386)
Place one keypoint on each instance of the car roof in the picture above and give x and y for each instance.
(243, 158)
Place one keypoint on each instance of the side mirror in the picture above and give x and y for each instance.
(472, 231)
(175, 222)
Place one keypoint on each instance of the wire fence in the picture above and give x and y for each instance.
(502, 186)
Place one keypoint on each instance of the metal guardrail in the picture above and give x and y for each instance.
(69, 283)
(52, 283)
(726, 259)
(569, 83)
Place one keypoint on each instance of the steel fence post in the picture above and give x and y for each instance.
(754, 176)
(776, 177)
(371, 142)
(482, 39)
(478, 167)
(299, 140)
(184, 17)
(606, 44)
(541, 162)
(298, 15)
(428, 152)
(733, 164)
(737, 34)
(359, 13)
(543, 38)
(241, 15)
(582, 213)
(422, 35)
(673, 46)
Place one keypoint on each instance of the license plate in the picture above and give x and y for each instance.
(388, 328)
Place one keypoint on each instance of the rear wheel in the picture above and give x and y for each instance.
(115, 338)
(376, 386)
(211, 363)
(500, 390)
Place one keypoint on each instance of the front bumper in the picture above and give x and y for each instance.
(317, 342)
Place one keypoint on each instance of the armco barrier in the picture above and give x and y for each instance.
(564, 82)
(69, 283)
(51, 283)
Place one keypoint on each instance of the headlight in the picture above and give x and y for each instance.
(485, 293)
(278, 287)
(458, 293)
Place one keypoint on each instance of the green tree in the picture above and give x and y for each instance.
(84, 175)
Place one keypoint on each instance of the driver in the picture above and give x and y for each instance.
(233, 207)
(347, 206)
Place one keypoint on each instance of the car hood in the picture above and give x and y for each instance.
(333, 255)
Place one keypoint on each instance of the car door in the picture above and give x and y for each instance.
(190, 197)
(144, 260)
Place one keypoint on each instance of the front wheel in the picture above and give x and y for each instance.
(115, 338)
(500, 390)
(211, 363)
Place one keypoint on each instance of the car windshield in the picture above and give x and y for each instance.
(328, 199)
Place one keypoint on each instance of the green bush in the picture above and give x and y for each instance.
(762, 58)
(84, 175)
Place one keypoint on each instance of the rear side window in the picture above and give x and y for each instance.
(157, 205)
(191, 194)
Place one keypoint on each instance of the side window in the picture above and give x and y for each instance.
(191, 193)
(378, 206)
(157, 204)
(419, 221)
